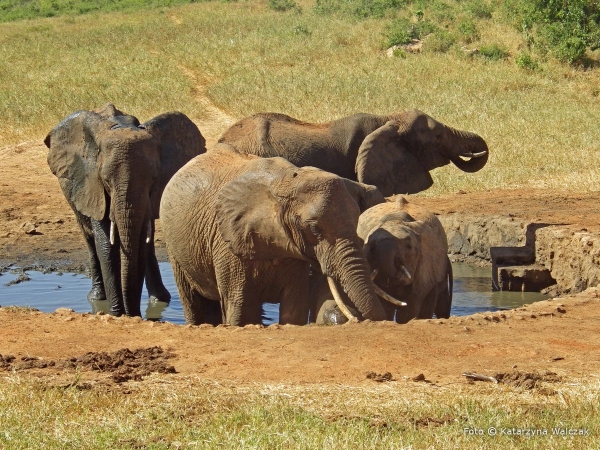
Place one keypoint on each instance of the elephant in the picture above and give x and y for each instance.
(407, 251)
(393, 152)
(242, 230)
(112, 171)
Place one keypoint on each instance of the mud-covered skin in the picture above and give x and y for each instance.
(112, 171)
(393, 152)
(243, 230)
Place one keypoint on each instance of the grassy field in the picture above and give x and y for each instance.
(540, 124)
(192, 413)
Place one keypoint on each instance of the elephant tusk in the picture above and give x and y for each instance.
(339, 302)
(387, 297)
(473, 155)
(148, 232)
(374, 274)
(112, 233)
(406, 272)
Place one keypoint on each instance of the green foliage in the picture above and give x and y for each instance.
(564, 28)
(359, 8)
(440, 42)
(11, 10)
(468, 31)
(478, 9)
(525, 61)
(493, 52)
(402, 31)
(283, 5)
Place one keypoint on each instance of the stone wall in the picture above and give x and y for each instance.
(573, 257)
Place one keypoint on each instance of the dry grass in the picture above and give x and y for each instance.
(194, 413)
(541, 126)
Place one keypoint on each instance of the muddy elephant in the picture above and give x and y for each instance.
(393, 152)
(243, 230)
(406, 248)
(112, 171)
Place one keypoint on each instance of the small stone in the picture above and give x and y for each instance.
(561, 310)
(28, 228)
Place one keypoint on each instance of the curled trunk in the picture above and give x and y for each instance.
(347, 266)
(468, 145)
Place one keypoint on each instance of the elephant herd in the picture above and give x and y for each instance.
(278, 211)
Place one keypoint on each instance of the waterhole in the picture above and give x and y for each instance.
(472, 293)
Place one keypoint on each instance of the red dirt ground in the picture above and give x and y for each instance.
(538, 337)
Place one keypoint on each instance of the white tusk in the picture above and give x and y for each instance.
(473, 155)
(387, 297)
(112, 233)
(405, 272)
(148, 232)
(338, 300)
(374, 274)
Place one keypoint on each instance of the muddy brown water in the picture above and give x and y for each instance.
(48, 291)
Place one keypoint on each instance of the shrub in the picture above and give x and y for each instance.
(402, 31)
(283, 5)
(525, 61)
(441, 41)
(468, 31)
(493, 52)
(565, 29)
(479, 9)
(358, 8)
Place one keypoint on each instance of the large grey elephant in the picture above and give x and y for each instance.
(406, 248)
(112, 171)
(242, 231)
(393, 152)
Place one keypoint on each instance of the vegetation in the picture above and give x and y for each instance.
(478, 70)
(162, 413)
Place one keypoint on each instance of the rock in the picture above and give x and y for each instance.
(29, 228)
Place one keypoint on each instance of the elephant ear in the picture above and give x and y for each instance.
(365, 195)
(250, 216)
(72, 157)
(384, 159)
(179, 140)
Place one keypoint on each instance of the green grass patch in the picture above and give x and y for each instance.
(191, 413)
(244, 57)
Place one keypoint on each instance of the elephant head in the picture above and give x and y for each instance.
(276, 211)
(398, 156)
(406, 248)
(112, 169)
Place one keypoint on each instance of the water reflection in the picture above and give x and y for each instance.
(47, 292)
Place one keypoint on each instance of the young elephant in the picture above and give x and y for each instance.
(242, 230)
(406, 248)
(112, 171)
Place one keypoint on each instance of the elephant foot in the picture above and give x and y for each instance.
(160, 295)
(97, 293)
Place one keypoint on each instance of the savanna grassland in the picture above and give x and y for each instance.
(529, 84)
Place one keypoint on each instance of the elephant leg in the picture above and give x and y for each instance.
(97, 292)
(154, 284)
(197, 309)
(444, 302)
(110, 266)
(429, 304)
(295, 296)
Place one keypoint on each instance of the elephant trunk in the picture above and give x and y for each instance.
(347, 266)
(132, 225)
(467, 145)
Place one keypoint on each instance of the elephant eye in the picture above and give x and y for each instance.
(314, 229)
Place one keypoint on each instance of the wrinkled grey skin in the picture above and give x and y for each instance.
(112, 168)
(393, 152)
(242, 230)
(400, 234)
